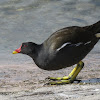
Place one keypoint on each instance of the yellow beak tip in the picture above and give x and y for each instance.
(14, 52)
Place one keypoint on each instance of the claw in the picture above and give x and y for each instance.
(61, 82)
(66, 79)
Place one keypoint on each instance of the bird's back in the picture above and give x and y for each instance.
(72, 34)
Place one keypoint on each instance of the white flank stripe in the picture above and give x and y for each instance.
(78, 44)
(63, 45)
(87, 42)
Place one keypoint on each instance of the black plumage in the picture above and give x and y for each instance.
(63, 48)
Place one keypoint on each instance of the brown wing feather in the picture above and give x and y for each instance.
(70, 34)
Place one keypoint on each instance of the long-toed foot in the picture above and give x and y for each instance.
(66, 79)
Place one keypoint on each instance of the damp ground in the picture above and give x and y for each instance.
(26, 82)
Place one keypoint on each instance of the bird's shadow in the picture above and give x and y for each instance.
(88, 81)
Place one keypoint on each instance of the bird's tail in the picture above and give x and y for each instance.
(95, 28)
(97, 35)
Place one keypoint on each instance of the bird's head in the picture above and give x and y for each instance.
(26, 48)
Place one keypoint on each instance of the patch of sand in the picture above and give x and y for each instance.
(26, 82)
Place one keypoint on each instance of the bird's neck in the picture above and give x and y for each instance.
(36, 51)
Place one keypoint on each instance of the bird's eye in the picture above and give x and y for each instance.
(25, 45)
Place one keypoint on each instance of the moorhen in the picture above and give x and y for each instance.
(64, 48)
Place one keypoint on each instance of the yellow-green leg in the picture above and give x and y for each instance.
(67, 79)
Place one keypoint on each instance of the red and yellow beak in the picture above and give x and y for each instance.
(14, 52)
(17, 50)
